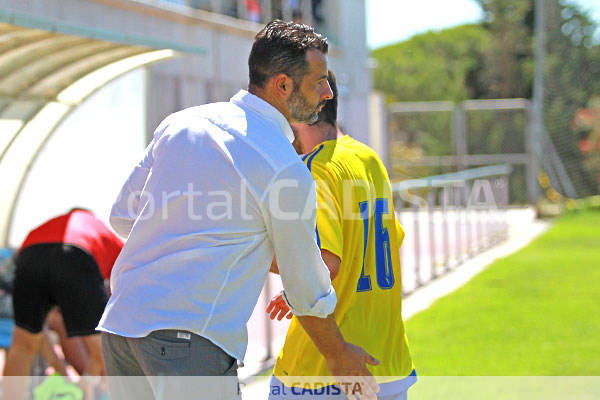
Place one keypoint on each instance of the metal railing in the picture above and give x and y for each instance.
(448, 219)
(456, 136)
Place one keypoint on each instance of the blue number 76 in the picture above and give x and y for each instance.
(383, 257)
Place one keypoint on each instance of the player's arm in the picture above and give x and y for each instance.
(332, 261)
(277, 307)
(125, 209)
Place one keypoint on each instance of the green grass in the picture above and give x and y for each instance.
(534, 313)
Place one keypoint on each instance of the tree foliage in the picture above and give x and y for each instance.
(441, 65)
(508, 71)
(495, 59)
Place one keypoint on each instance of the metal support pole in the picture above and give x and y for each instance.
(307, 15)
(286, 11)
(505, 202)
(535, 135)
(489, 231)
(532, 158)
(398, 205)
(430, 216)
(468, 247)
(215, 6)
(242, 10)
(480, 234)
(476, 232)
(417, 234)
(267, 11)
(459, 135)
(445, 194)
(457, 200)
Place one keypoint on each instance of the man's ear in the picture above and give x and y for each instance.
(283, 85)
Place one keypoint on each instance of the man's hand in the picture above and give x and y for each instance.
(349, 369)
(345, 361)
(278, 305)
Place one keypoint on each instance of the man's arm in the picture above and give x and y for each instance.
(345, 361)
(290, 217)
(331, 261)
(274, 268)
(126, 208)
(289, 214)
(277, 307)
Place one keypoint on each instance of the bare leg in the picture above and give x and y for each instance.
(23, 348)
(74, 348)
(93, 343)
(47, 350)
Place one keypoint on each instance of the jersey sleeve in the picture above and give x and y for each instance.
(329, 209)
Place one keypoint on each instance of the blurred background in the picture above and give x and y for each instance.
(436, 87)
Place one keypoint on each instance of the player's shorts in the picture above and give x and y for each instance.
(50, 274)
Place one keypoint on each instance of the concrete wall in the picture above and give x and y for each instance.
(349, 60)
(222, 69)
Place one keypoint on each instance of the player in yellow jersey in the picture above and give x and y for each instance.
(360, 238)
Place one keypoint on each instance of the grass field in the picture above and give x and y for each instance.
(526, 328)
(534, 313)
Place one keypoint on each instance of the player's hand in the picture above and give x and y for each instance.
(350, 370)
(278, 306)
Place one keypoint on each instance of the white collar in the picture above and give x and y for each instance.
(247, 99)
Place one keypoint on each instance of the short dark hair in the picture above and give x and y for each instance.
(328, 113)
(281, 47)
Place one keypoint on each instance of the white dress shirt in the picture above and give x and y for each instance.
(219, 190)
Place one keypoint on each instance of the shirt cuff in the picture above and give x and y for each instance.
(322, 308)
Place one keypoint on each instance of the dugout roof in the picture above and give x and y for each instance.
(44, 76)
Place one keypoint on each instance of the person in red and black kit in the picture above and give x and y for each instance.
(62, 263)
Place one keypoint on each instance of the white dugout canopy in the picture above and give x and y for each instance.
(44, 76)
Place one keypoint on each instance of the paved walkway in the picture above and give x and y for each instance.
(523, 228)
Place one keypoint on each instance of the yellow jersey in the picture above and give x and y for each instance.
(355, 221)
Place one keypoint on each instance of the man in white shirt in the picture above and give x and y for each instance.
(218, 192)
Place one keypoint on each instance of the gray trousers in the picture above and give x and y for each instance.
(168, 365)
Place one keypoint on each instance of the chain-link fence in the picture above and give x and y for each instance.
(427, 138)
(567, 93)
(420, 139)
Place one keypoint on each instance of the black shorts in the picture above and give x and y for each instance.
(52, 274)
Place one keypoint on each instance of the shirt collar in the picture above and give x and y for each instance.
(247, 99)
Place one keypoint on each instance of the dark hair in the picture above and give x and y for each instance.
(328, 113)
(280, 47)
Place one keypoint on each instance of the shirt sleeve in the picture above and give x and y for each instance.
(126, 208)
(290, 218)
